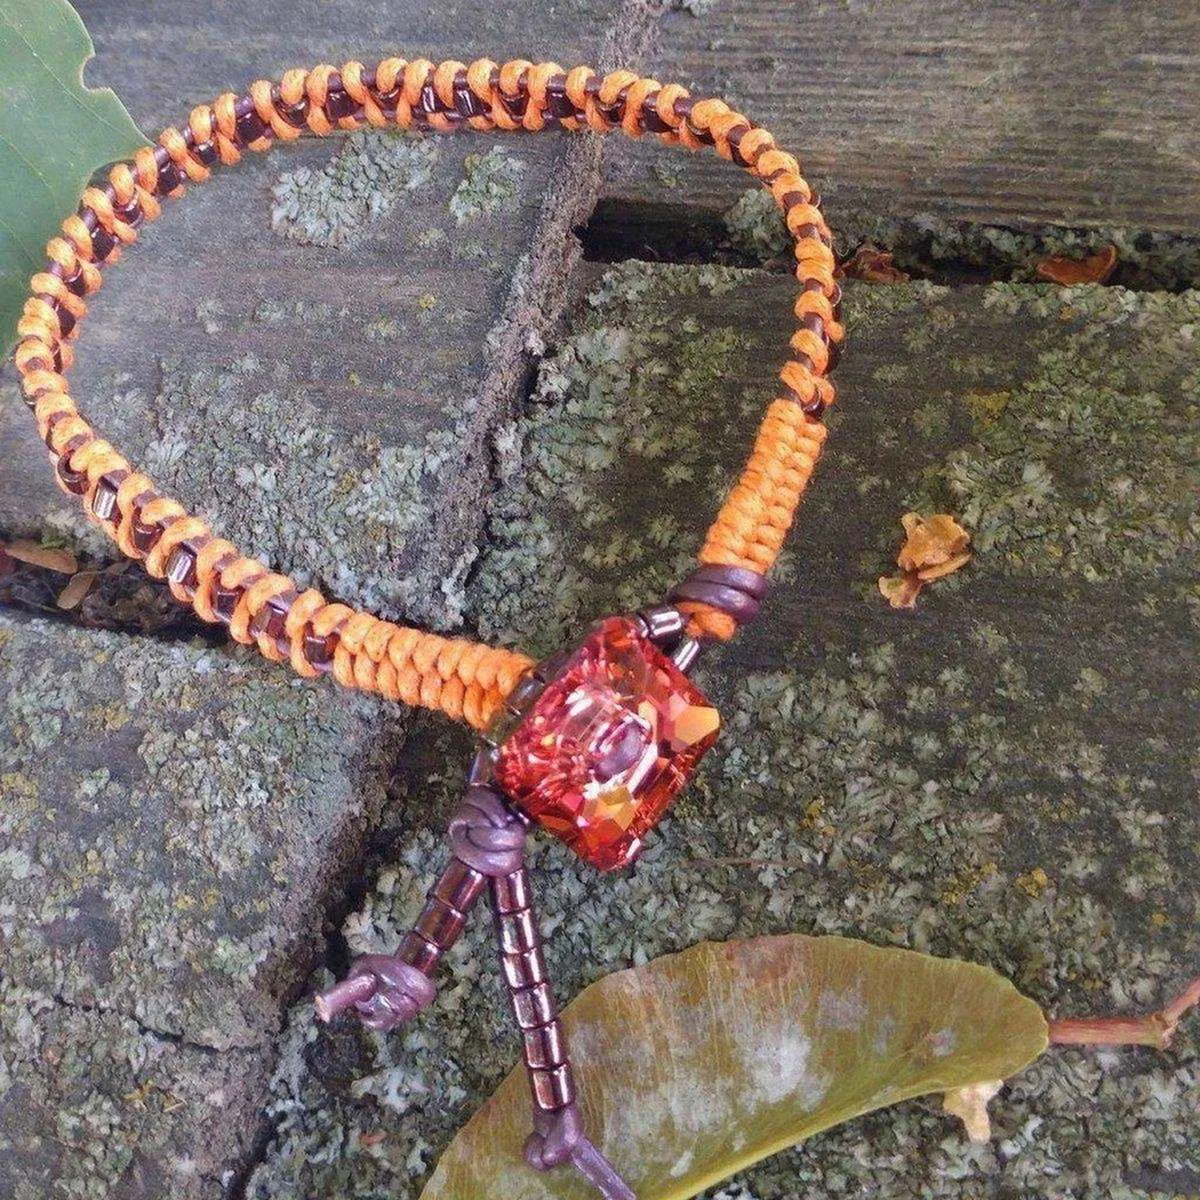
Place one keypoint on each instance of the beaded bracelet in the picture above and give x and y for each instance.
(593, 744)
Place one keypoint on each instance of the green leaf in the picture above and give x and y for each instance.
(54, 134)
(703, 1062)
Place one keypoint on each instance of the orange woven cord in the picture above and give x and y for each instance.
(463, 679)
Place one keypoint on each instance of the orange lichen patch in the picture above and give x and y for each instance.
(987, 407)
(1096, 268)
(1034, 882)
(932, 548)
(872, 265)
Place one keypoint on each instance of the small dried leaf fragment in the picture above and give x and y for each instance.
(900, 591)
(931, 544)
(73, 594)
(933, 547)
(872, 265)
(1096, 268)
(37, 555)
(969, 1105)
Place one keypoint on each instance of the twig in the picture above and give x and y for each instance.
(1155, 1029)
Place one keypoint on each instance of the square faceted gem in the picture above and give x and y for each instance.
(608, 744)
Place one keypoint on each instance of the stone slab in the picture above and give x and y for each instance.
(176, 823)
(95, 1104)
(1004, 774)
(1022, 113)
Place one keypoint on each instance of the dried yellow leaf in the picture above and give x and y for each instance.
(73, 594)
(900, 591)
(1096, 268)
(872, 265)
(930, 542)
(696, 1065)
(928, 574)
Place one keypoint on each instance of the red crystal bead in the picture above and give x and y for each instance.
(608, 744)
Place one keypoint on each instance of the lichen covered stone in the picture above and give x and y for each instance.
(173, 821)
(969, 782)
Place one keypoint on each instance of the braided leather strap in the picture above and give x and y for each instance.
(461, 678)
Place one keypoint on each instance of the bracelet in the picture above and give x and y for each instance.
(592, 744)
(461, 678)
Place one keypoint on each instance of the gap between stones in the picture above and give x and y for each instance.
(158, 1035)
(953, 253)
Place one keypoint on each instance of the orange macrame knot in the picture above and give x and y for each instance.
(932, 548)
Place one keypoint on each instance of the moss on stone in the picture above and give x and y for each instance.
(172, 819)
(195, 780)
(1087, 466)
(756, 225)
(605, 418)
(341, 511)
(94, 1104)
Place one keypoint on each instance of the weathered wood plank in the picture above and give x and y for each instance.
(1020, 112)
(1002, 775)
(321, 396)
